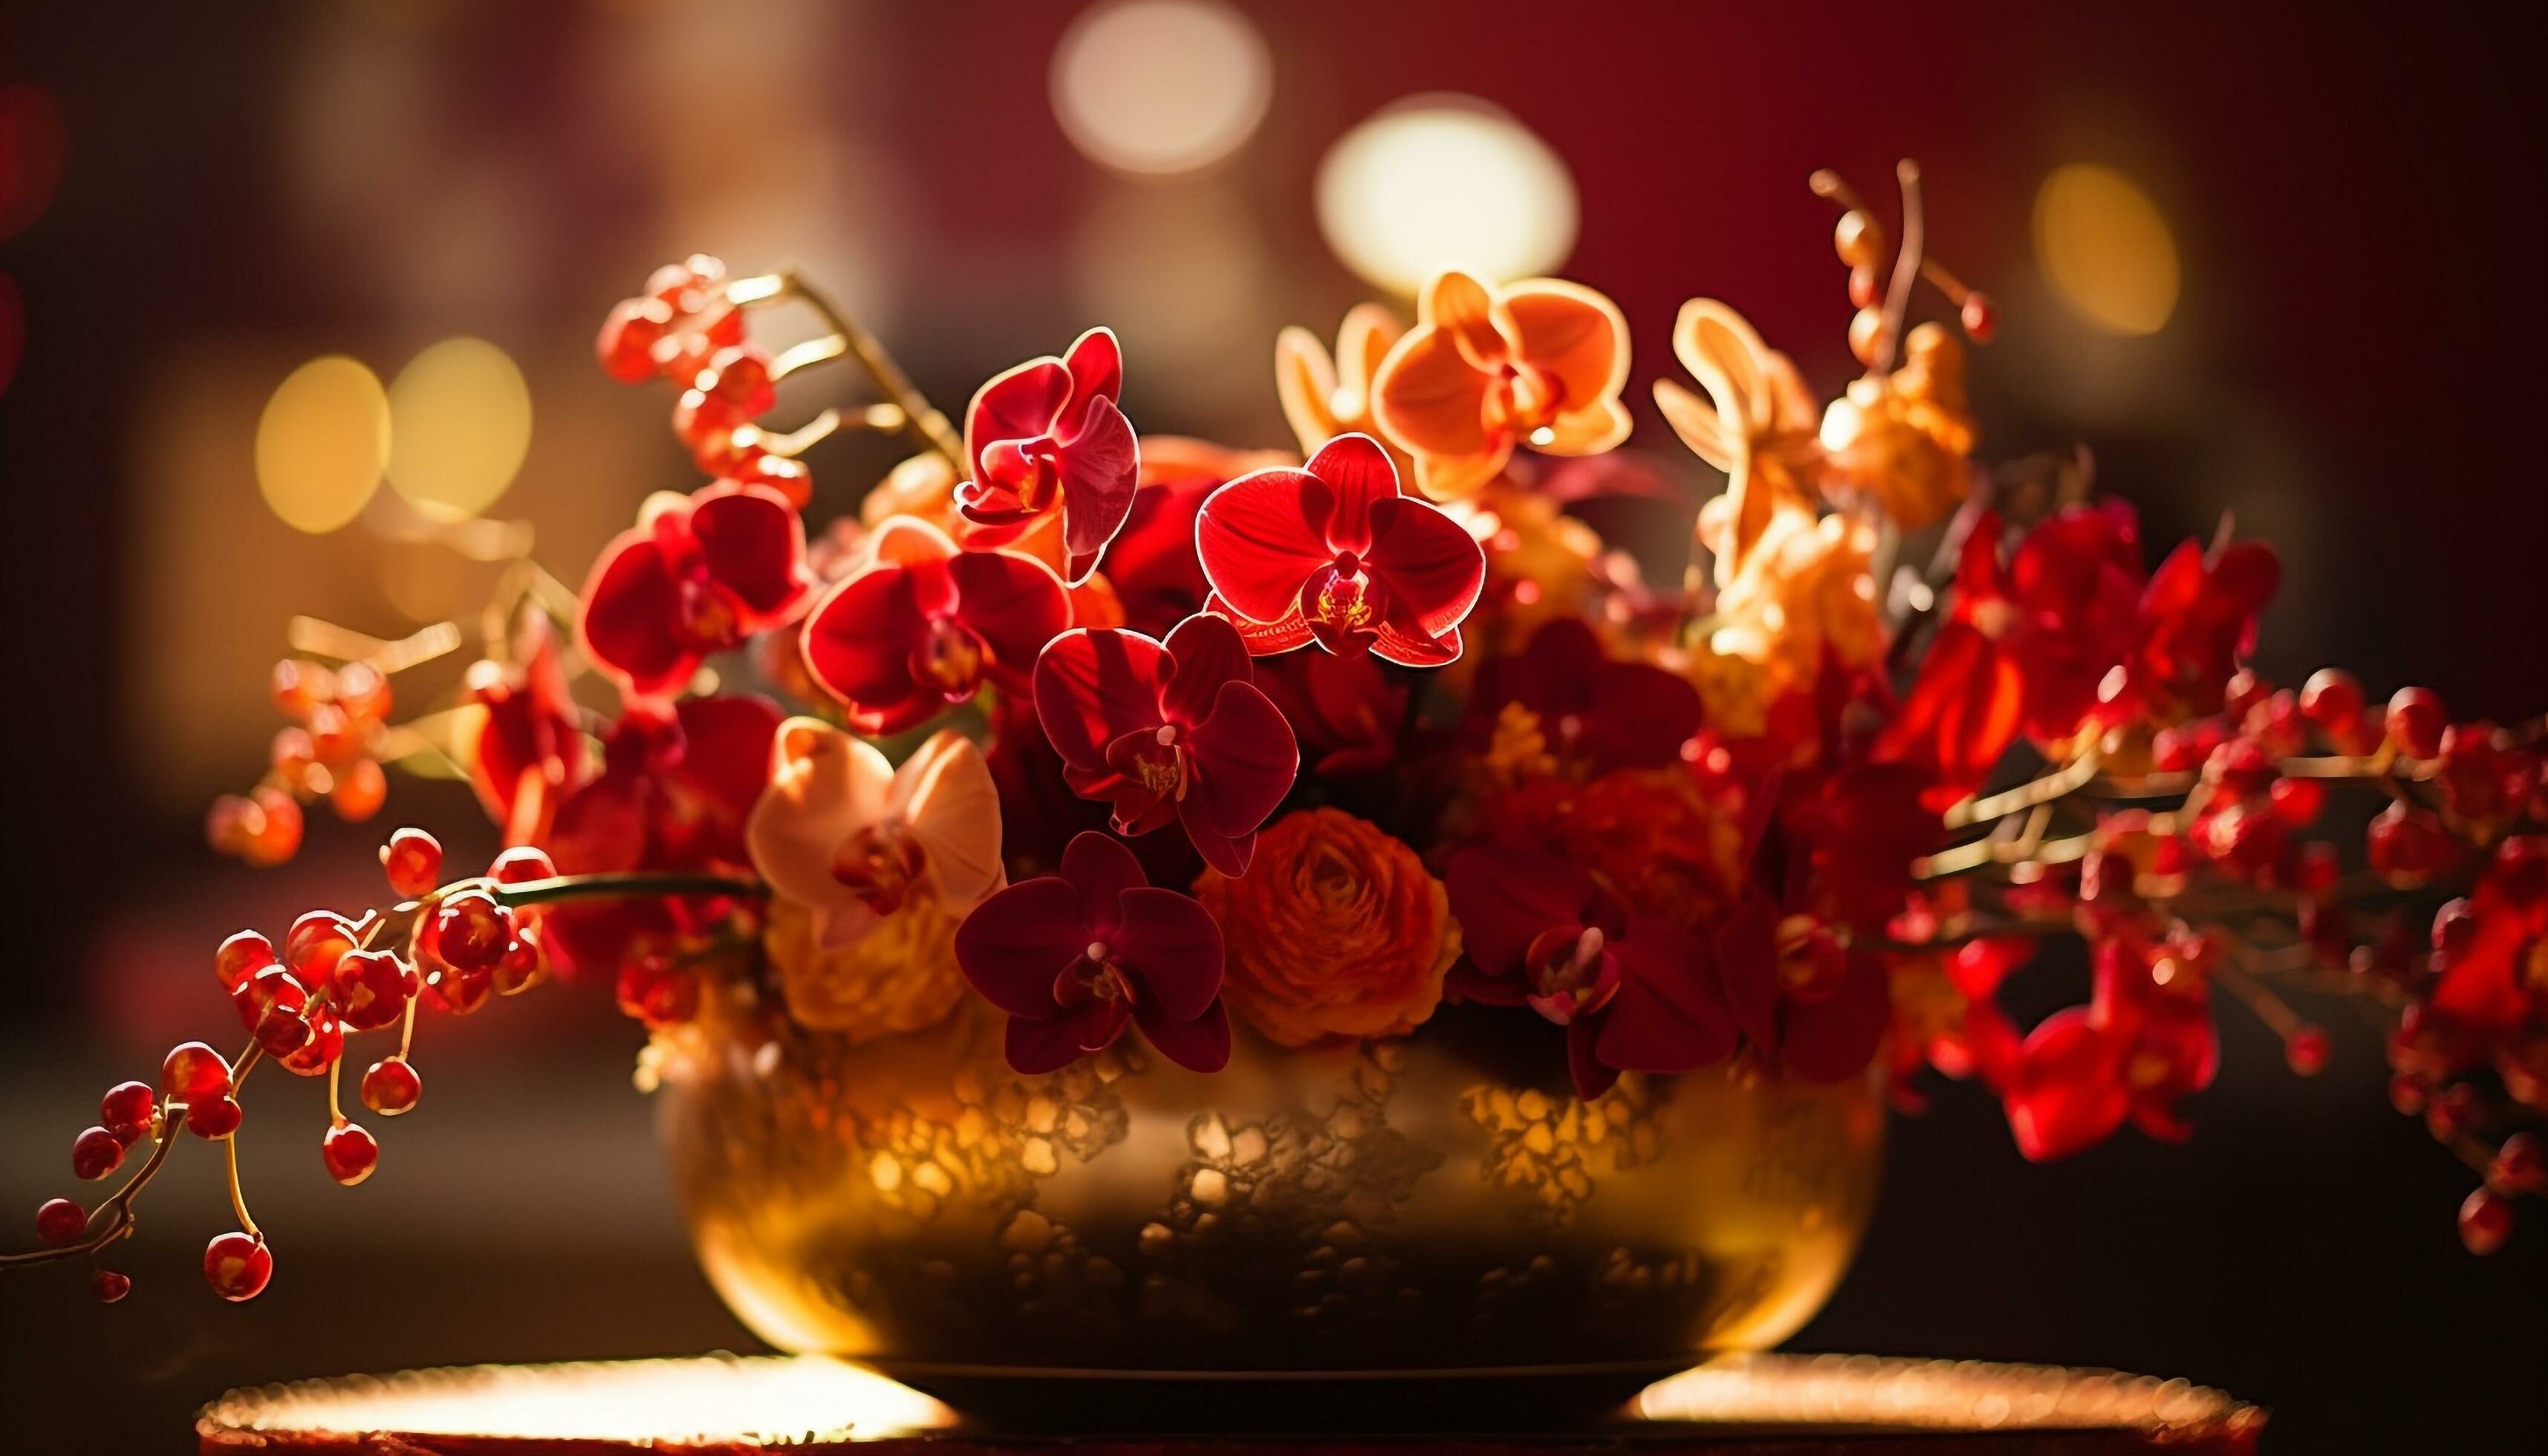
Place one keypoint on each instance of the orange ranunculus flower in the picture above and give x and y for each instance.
(1324, 398)
(1906, 438)
(1539, 363)
(1759, 429)
(1334, 931)
(1663, 842)
(900, 977)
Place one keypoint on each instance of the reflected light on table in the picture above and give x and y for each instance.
(321, 443)
(1441, 181)
(1161, 87)
(766, 1399)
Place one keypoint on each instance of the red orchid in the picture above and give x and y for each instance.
(1174, 730)
(1345, 711)
(698, 578)
(2144, 1040)
(1046, 434)
(1969, 697)
(1594, 711)
(925, 625)
(530, 751)
(1634, 993)
(1074, 957)
(2076, 581)
(1809, 1002)
(677, 787)
(2198, 618)
(1338, 553)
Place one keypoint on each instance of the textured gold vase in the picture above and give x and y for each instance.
(1437, 1203)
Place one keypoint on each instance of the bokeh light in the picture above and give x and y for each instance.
(1161, 87)
(460, 422)
(30, 156)
(2105, 249)
(322, 443)
(1440, 180)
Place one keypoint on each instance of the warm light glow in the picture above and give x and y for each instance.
(2105, 249)
(321, 443)
(460, 423)
(1159, 87)
(1441, 180)
(685, 1401)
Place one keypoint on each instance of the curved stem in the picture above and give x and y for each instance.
(625, 886)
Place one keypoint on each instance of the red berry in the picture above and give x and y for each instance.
(2485, 1221)
(2306, 1052)
(520, 864)
(524, 961)
(2415, 721)
(95, 1154)
(2244, 692)
(327, 1043)
(239, 1265)
(127, 1105)
(471, 931)
(2453, 1111)
(370, 989)
(2409, 846)
(240, 957)
(2409, 1093)
(1979, 318)
(740, 377)
(391, 1087)
(194, 1072)
(314, 942)
(788, 476)
(458, 991)
(2332, 700)
(111, 1285)
(626, 345)
(215, 1118)
(349, 1152)
(60, 1223)
(282, 1006)
(299, 687)
(2520, 1166)
(413, 861)
(363, 693)
(360, 792)
(2296, 801)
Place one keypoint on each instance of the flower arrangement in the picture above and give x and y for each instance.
(1144, 738)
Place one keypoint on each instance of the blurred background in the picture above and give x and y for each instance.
(2280, 262)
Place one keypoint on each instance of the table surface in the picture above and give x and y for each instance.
(1789, 1406)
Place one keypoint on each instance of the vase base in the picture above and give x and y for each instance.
(1555, 1400)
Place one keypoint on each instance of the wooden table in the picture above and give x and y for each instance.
(1760, 1406)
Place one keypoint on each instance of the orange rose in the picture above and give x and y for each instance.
(1334, 931)
(1661, 839)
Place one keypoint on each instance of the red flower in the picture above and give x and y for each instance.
(2144, 1040)
(1969, 697)
(2198, 618)
(925, 624)
(1593, 711)
(1810, 1004)
(698, 577)
(1044, 433)
(1634, 993)
(530, 751)
(2076, 581)
(1073, 957)
(1336, 553)
(1169, 730)
(1345, 711)
(677, 787)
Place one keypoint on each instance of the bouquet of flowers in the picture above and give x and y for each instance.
(1144, 739)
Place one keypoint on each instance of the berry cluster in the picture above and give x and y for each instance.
(450, 947)
(330, 750)
(686, 329)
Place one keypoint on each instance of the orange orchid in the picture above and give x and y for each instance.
(1759, 429)
(1324, 398)
(844, 833)
(1904, 437)
(1538, 363)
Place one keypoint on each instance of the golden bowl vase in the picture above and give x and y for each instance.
(1433, 1205)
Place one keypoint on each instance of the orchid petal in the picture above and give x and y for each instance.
(1099, 470)
(1199, 1044)
(1258, 542)
(754, 545)
(1358, 474)
(1017, 943)
(1095, 360)
(1390, 644)
(1431, 398)
(858, 640)
(1054, 1042)
(1100, 869)
(1584, 1065)
(945, 795)
(1230, 854)
(1470, 313)
(1014, 604)
(1428, 561)
(1018, 403)
(626, 624)
(1208, 653)
(1172, 944)
(824, 786)
(1306, 382)
(1574, 333)
(1245, 760)
(1264, 639)
(1604, 425)
(1504, 898)
(1092, 686)
(1701, 427)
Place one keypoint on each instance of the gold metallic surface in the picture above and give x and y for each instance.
(1437, 1202)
